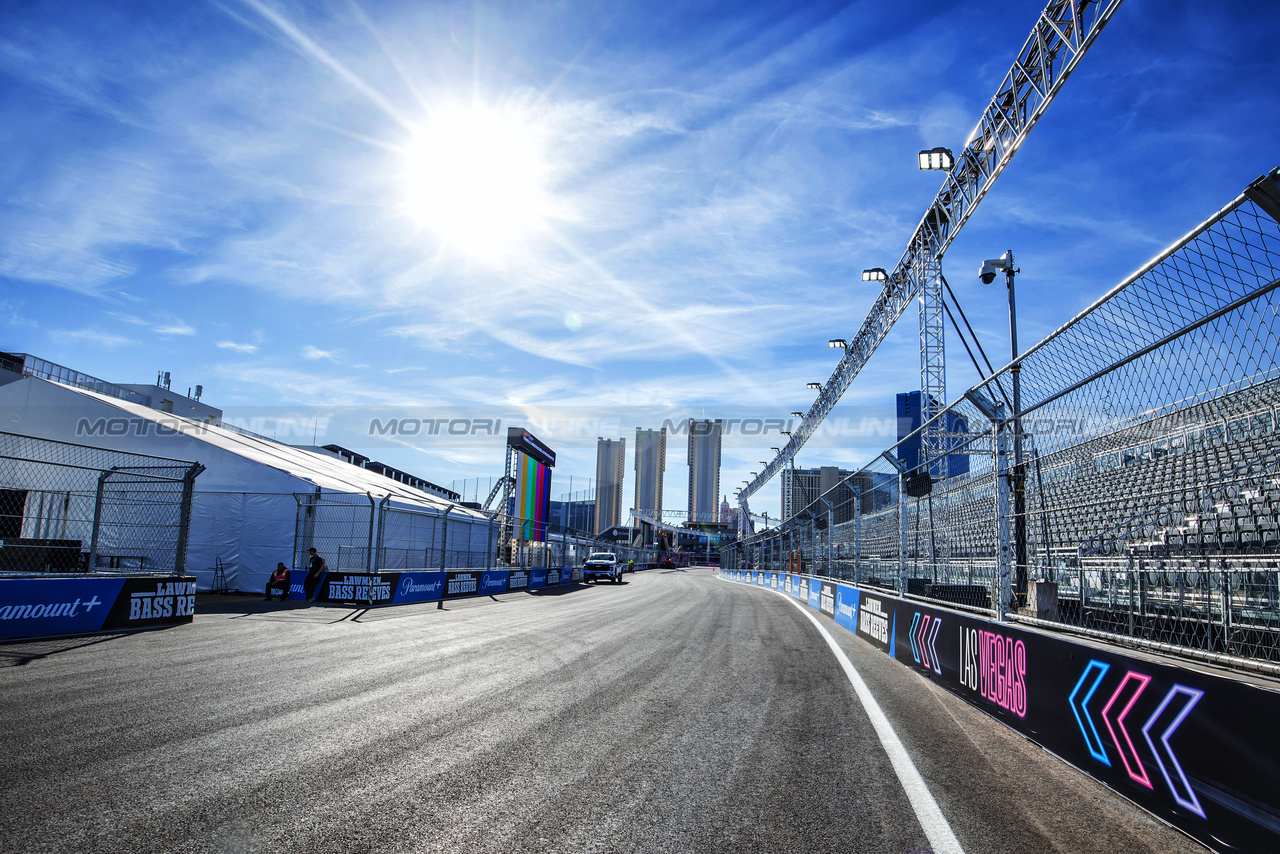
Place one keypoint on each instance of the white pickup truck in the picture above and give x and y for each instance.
(602, 565)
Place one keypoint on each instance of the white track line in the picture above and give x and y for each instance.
(941, 838)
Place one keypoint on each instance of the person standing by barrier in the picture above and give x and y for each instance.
(279, 581)
(315, 569)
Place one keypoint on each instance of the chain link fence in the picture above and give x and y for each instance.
(67, 508)
(1142, 501)
(348, 530)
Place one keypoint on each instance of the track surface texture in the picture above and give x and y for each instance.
(673, 713)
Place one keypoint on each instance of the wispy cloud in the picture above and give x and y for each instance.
(238, 347)
(97, 337)
(163, 324)
(314, 353)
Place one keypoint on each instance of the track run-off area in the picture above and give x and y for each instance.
(672, 713)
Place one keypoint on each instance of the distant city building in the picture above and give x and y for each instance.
(651, 465)
(729, 515)
(704, 470)
(574, 513)
(610, 466)
(955, 432)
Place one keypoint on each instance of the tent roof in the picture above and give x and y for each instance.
(328, 473)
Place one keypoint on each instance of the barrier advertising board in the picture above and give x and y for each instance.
(357, 587)
(493, 582)
(418, 587)
(400, 588)
(1197, 748)
(31, 607)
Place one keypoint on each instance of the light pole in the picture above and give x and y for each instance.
(987, 273)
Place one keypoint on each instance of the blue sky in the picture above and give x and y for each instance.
(659, 209)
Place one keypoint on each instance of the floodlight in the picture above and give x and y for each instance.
(937, 158)
(838, 344)
(775, 450)
(814, 386)
(875, 274)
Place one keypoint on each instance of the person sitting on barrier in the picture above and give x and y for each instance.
(279, 581)
(315, 569)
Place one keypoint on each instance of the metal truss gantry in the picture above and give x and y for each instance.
(1063, 33)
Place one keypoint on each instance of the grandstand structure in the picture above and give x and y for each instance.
(1152, 427)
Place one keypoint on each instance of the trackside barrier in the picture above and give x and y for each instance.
(1197, 749)
(46, 607)
(402, 588)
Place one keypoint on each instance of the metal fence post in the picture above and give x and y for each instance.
(373, 521)
(97, 517)
(1004, 552)
(1227, 617)
(444, 535)
(383, 506)
(857, 539)
(902, 533)
(184, 519)
(489, 552)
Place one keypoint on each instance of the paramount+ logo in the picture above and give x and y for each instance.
(409, 587)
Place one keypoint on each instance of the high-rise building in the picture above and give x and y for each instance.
(704, 470)
(610, 466)
(651, 465)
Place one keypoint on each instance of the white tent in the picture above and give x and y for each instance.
(244, 509)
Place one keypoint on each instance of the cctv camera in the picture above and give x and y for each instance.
(987, 272)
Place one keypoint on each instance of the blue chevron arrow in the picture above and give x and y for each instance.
(915, 650)
(1081, 711)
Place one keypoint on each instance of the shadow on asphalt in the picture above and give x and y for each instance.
(230, 603)
(18, 653)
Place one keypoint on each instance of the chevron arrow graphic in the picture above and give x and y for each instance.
(1140, 774)
(932, 649)
(924, 630)
(915, 650)
(1080, 708)
(1182, 791)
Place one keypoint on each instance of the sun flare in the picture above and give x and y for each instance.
(477, 178)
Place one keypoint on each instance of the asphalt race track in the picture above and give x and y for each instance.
(674, 713)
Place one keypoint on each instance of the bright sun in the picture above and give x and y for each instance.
(477, 178)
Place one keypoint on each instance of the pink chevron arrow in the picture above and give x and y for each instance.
(1140, 775)
(919, 640)
(932, 650)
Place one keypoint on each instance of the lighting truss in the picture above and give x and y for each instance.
(1062, 35)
